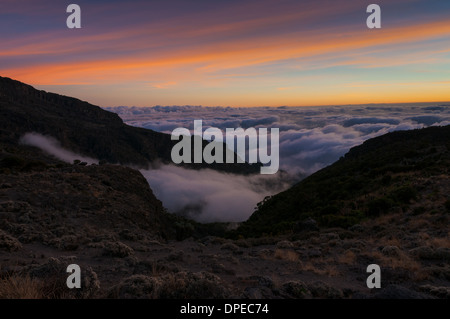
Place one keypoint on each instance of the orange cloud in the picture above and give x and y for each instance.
(130, 56)
(164, 85)
(231, 55)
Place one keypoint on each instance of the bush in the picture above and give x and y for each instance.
(117, 249)
(201, 285)
(418, 210)
(404, 194)
(17, 287)
(378, 206)
(329, 210)
(34, 166)
(184, 229)
(447, 206)
(386, 180)
(343, 221)
(12, 162)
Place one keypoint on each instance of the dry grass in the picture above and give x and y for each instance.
(401, 262)
(321, 266)
(383, 220)
(288, 255)
(393, 241)
(320, 269)
(418, 224)
(424, 236)
(16, 287)
(439, 242)
(348, 258)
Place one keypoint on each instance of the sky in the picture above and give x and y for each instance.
(230, 53)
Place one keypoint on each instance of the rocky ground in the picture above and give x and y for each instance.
(106, 219)
(327, 263)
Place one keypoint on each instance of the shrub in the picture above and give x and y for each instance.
(12, 162)
(339, 220)
(404, 194)
(378, 206)
(386, 180)
(17, 287)
(447, 206)
(418, 210)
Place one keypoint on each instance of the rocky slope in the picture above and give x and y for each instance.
(401, 172)
(86, 129)
(386, 203)
(106, 219)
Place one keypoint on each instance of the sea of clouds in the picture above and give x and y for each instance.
(310, 139)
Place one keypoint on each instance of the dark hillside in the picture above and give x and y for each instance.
(391, 173)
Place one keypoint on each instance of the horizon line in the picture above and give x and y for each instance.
(282, 106)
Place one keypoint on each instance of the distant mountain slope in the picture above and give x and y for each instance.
(397, 172)
(85, 128)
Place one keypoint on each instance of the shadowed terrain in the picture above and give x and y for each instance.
(385, 202)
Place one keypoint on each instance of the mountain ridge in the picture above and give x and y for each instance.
(386, 203)
(381, 175)
(88, 129)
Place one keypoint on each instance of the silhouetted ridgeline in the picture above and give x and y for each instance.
(85, 128)
(390, 173)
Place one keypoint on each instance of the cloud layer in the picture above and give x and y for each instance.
(310, 138)
(51, 146)
(203, 195)
(210, 196)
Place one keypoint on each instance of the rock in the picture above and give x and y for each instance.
(117, 249)
(391, 251)
(308, 224)
(9, 243)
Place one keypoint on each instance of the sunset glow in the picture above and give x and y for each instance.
(261, 53)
